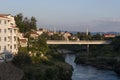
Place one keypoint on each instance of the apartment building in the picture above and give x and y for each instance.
(8, 35)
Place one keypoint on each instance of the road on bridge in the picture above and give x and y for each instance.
(77, 42)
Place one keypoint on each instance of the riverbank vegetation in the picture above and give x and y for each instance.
(50, 67)
(102, 56)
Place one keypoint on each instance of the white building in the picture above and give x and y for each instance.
(22, 40)
(67, 35)
(39, 32)
(8, 34)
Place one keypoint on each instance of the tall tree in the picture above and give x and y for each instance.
(19, 21)
(33, 23)
(42, 45)
(116, 43)
(24, 24)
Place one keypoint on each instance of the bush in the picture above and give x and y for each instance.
(51, 73)
(22, 59)
(64, 71)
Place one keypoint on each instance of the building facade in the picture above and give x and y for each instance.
(8, 34)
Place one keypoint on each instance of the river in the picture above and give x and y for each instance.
(82, 72)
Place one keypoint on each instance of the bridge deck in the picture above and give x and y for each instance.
(77, 42)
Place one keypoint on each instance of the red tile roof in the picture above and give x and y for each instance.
(109, 35)
(23, 40)
(13, 26)
(4, 15)
(33, 32)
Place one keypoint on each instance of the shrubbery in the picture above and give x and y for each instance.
(48, 67)
(22, 59)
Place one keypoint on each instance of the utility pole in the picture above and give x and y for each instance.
(87, 40)
(87, 32)
(54, 30)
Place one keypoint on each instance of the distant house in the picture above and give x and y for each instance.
(43, 30)
(67, 35)
(23, 42)
(34, 34)
(39, 32)
(74, 38)
(50, 33)
(109, 35)
(20, 35)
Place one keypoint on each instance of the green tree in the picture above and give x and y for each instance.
(96, 37)
(56, 37)
(116, 43)
(42, 45)
(19, 21)
(24, 24)
(33, 23)
(82, 36)
(89, 36)
(78, 35)
(22, 59)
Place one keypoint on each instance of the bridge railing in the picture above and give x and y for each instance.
(78, 42)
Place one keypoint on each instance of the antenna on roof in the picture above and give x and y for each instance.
(54, 30)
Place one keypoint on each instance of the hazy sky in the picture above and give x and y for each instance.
(70, 15)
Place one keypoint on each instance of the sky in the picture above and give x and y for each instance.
(68, 15)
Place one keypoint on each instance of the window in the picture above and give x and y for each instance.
(9, 38)
(4, 47)
(5, 22)
(5, 30)
(15, 46)
(10, 30)
(14, 38)
(8, 20)
(5, 39)
(15, 30)
(10, 47)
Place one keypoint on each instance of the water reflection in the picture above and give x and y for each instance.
(89, 73)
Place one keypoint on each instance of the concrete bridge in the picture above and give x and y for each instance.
(78, 42)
